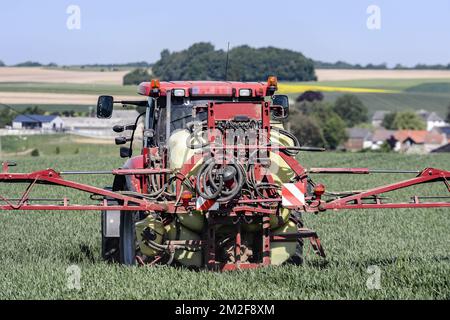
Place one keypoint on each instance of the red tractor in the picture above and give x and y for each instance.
(217, 183)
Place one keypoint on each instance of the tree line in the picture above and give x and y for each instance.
(202, 61)
(319, 123)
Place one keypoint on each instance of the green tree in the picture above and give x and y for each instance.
(29, 64)
(6, 116)
(2, 64)
(332, 126)
(388, 121)
(385, 147)
(306, 130)
(202, 61)
(334, 131)
(34, 110)
(408, 120)
(136, 76)
(351, 109)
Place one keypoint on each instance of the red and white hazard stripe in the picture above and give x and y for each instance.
(293, 194)
(204, 205)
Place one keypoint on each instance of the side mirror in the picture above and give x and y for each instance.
(105, 106)
(280, 105)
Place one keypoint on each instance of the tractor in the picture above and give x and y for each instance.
(217, 183)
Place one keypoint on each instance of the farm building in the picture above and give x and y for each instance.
(444, 130)
(101, 128)
(35, 121)
(444, 148)
(431, 119)
(418, 141)
(378, 117)
(381, 136)
(358, 139)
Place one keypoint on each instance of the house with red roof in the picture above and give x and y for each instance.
(418, 141)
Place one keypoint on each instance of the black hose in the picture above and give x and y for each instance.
(201, 181)
(210, 190)
(294, 139)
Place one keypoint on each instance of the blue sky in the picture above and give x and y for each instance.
(135, 30)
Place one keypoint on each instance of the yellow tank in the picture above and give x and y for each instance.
(187, 258)
(179, 153)
(157, 226)
(280, 170)
(194, 221)
(275, 222)
(281, 251)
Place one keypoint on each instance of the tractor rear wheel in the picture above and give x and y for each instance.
(297, 258)
(128, 241)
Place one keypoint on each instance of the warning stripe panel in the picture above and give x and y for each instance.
(204, 205)
(293, 194)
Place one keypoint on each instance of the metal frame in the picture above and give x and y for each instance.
(242, 208)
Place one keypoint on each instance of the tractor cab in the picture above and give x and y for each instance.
(179, 106)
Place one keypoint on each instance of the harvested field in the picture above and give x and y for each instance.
(14, 74)
(52, 98)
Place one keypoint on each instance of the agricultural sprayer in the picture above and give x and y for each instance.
(217, 183)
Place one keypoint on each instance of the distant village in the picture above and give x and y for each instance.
(436, 137)
(32, 124)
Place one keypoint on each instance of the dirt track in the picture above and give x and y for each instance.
(11, 74)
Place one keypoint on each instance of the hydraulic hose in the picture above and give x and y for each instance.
(211, 185)
(291, 152)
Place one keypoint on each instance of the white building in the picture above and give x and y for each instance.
(38, 122)
(431, 119)
(378, 117)
(99, 128)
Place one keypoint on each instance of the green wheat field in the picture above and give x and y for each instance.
(411, 248)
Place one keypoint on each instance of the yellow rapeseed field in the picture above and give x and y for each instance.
(288, 88)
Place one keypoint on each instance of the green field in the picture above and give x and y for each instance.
(436, 102)
(414, 94)
(411, 247)
(57, 144)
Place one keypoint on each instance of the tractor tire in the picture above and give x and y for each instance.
(127, 240)
(128, 244)
(297, 258)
